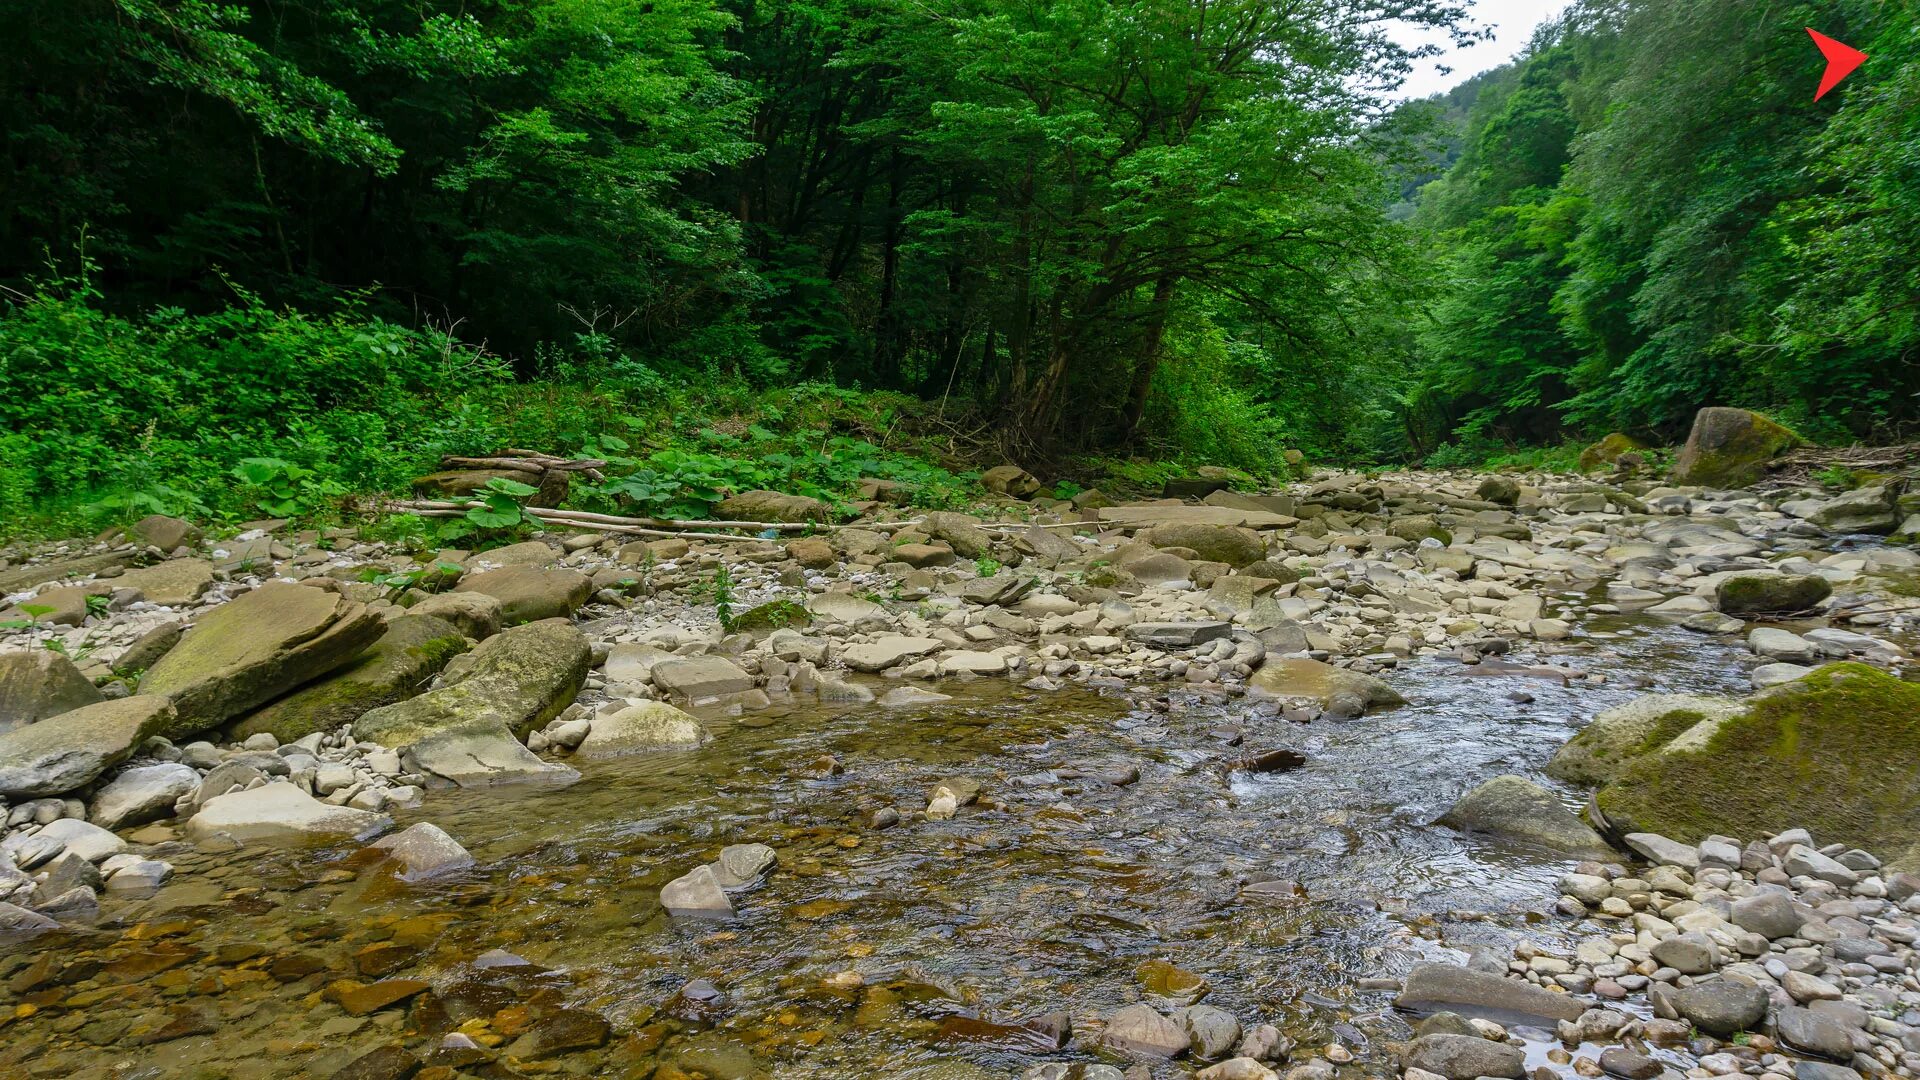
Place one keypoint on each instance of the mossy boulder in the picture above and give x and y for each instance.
(1836, 752)
(516, 680)
(412, 651)
(241, 655)
(772, 615)
(1730, 448)
(1618, 735)
(1607, 453)
(1762, 594)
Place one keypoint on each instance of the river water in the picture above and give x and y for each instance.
(868, 952)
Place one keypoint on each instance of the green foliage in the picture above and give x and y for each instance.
(985, 566)
(283, 490)
(722, 589)
(1651, 215)
(772, 615)
(499, 506)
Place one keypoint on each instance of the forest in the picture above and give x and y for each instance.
(345, 238)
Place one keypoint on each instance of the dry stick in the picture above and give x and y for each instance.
(609, 522)
(625, 530)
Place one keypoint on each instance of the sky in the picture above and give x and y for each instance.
(1513, 22)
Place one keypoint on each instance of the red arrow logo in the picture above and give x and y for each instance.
(1841, 60)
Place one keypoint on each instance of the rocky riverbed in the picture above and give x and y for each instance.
(1366, 777)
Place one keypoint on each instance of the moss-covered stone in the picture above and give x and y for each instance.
(1602, 749)
(1608, 451)
(773, 615)
(1837, 752)
(515, 681)
(1729, 448)
(1762, 594)
(412, 651)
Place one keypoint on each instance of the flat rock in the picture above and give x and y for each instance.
(1298, 677)
(468, 729)
(16, 921)
(74, 748)
(411, 652)
(242, 654)
(699, 677)
(1466, 1057)
(696, 894)
(174, 583)
(1445, 987)
(280, 812)
(1140, 1031)
(888, 651)
(85, 839)
(1178, 635)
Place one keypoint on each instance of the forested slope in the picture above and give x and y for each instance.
(353, 236)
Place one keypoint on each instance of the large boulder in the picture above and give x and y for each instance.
(1215, 543)
(281, 813)
(1835, 752)
(40, 683)
(1515, 808)
(1618, 735)
(1729, 448)
(469, 729)
(1770, 594)
(476, 614)
(697, 677)
(1299, 677)
(243, 654)
(529, 593)
(770, 506)
(72, 749)
(411, 652)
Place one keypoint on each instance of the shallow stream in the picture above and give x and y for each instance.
(868, 952)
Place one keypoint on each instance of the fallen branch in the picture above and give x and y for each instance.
(638, 526)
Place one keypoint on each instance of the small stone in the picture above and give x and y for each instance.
(696, 894)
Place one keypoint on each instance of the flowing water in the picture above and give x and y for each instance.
(867, 952)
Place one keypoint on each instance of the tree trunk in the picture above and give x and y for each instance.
(1148, 359)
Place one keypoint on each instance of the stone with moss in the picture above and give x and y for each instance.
(772, 615)
(1618, 735)
(1835, 752)
(411, 652)
(1515, 808)
(1609, 451)
(1730, 448)
(1299, 677)
(268, 642)
(1763, 594)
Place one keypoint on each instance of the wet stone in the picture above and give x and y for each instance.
(359, 999)
(383, 1063)
(562, 1031)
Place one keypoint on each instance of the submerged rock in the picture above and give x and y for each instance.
(1515, 808)
(1444, 987)
(424, 850)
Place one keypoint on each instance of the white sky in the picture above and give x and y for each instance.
(1513, 22)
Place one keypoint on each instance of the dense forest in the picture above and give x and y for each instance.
(350, 236)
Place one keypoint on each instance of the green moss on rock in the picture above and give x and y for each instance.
(1608, 451)
(1602, 749)
(773, 615)
(1729, 448)
(1837, 752)
(412, 651)
(1758, 594)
